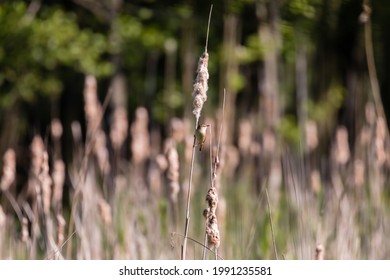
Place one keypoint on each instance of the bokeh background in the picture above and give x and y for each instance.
(96, 128)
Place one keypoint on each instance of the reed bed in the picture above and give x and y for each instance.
(128, 188)
(333, 208)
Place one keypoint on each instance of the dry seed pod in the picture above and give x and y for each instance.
(359, 173)
(320, 252)
(45, 182)
(177, 129)
(311, 135)
(206, 212)
(9, 170)
(200, 87)
(37, 151)
(213, 238)
(341, 150)
(58, 176)
(105, 212)
(162, 162)
(140, 139)
(92, 107)
(244, 136)
(25, 234)
(173, 172)
(101, 151)
(61, 223)
(212, 230)
(119, 128)
(56, 129)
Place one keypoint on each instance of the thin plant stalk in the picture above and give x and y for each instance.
(83, 172)
(373, 77)
(217, 257)
(211, 182)
(271, 224)
(213, 176)
(184, 246)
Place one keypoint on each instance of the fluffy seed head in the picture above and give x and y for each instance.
(9, 169)
(200, 86)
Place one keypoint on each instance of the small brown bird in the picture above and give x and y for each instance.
(200, 135)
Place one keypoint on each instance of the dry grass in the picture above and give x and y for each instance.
(125, 192)
(340, 202)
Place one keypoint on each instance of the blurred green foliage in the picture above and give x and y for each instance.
(34, 50)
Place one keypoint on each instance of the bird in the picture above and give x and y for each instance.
(200, 135)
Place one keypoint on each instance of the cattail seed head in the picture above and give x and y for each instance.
(244, 136)
(200, 88)
(162, 162)
(206, 212)
(177, 129)
(46, 183)
(140, 139)
(364, 16)
(341, 152)
(92, 107)
(311, 135)
(359, 173)
(119, 128)
(379, 142)
(61, 223)
(212, 230)
(25, 234)
(9, 169)
(173, 170)
(56, 129)
(2, 219)
(58, 176)
(212, 198)
(101, 151)
(105, 212)
(213, 235)
(320, 252)
(197, 105)
(37, 150)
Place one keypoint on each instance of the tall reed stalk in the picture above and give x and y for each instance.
(200, 96)
(212, 236)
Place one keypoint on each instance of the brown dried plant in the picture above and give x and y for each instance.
(320, 252)
(8, 178)
(119, 128)
(9, 170)
(200, 96)
(39, 178)
(341, 151)
(3, 222)
(46, 183)
(58, 176)
(61, 223)
(212, 231)
(200, 87)
(140, 139)
(173, 169)
(41, 184)
(105, 212)
(244, 136)
(96, 137)
(94, 114)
